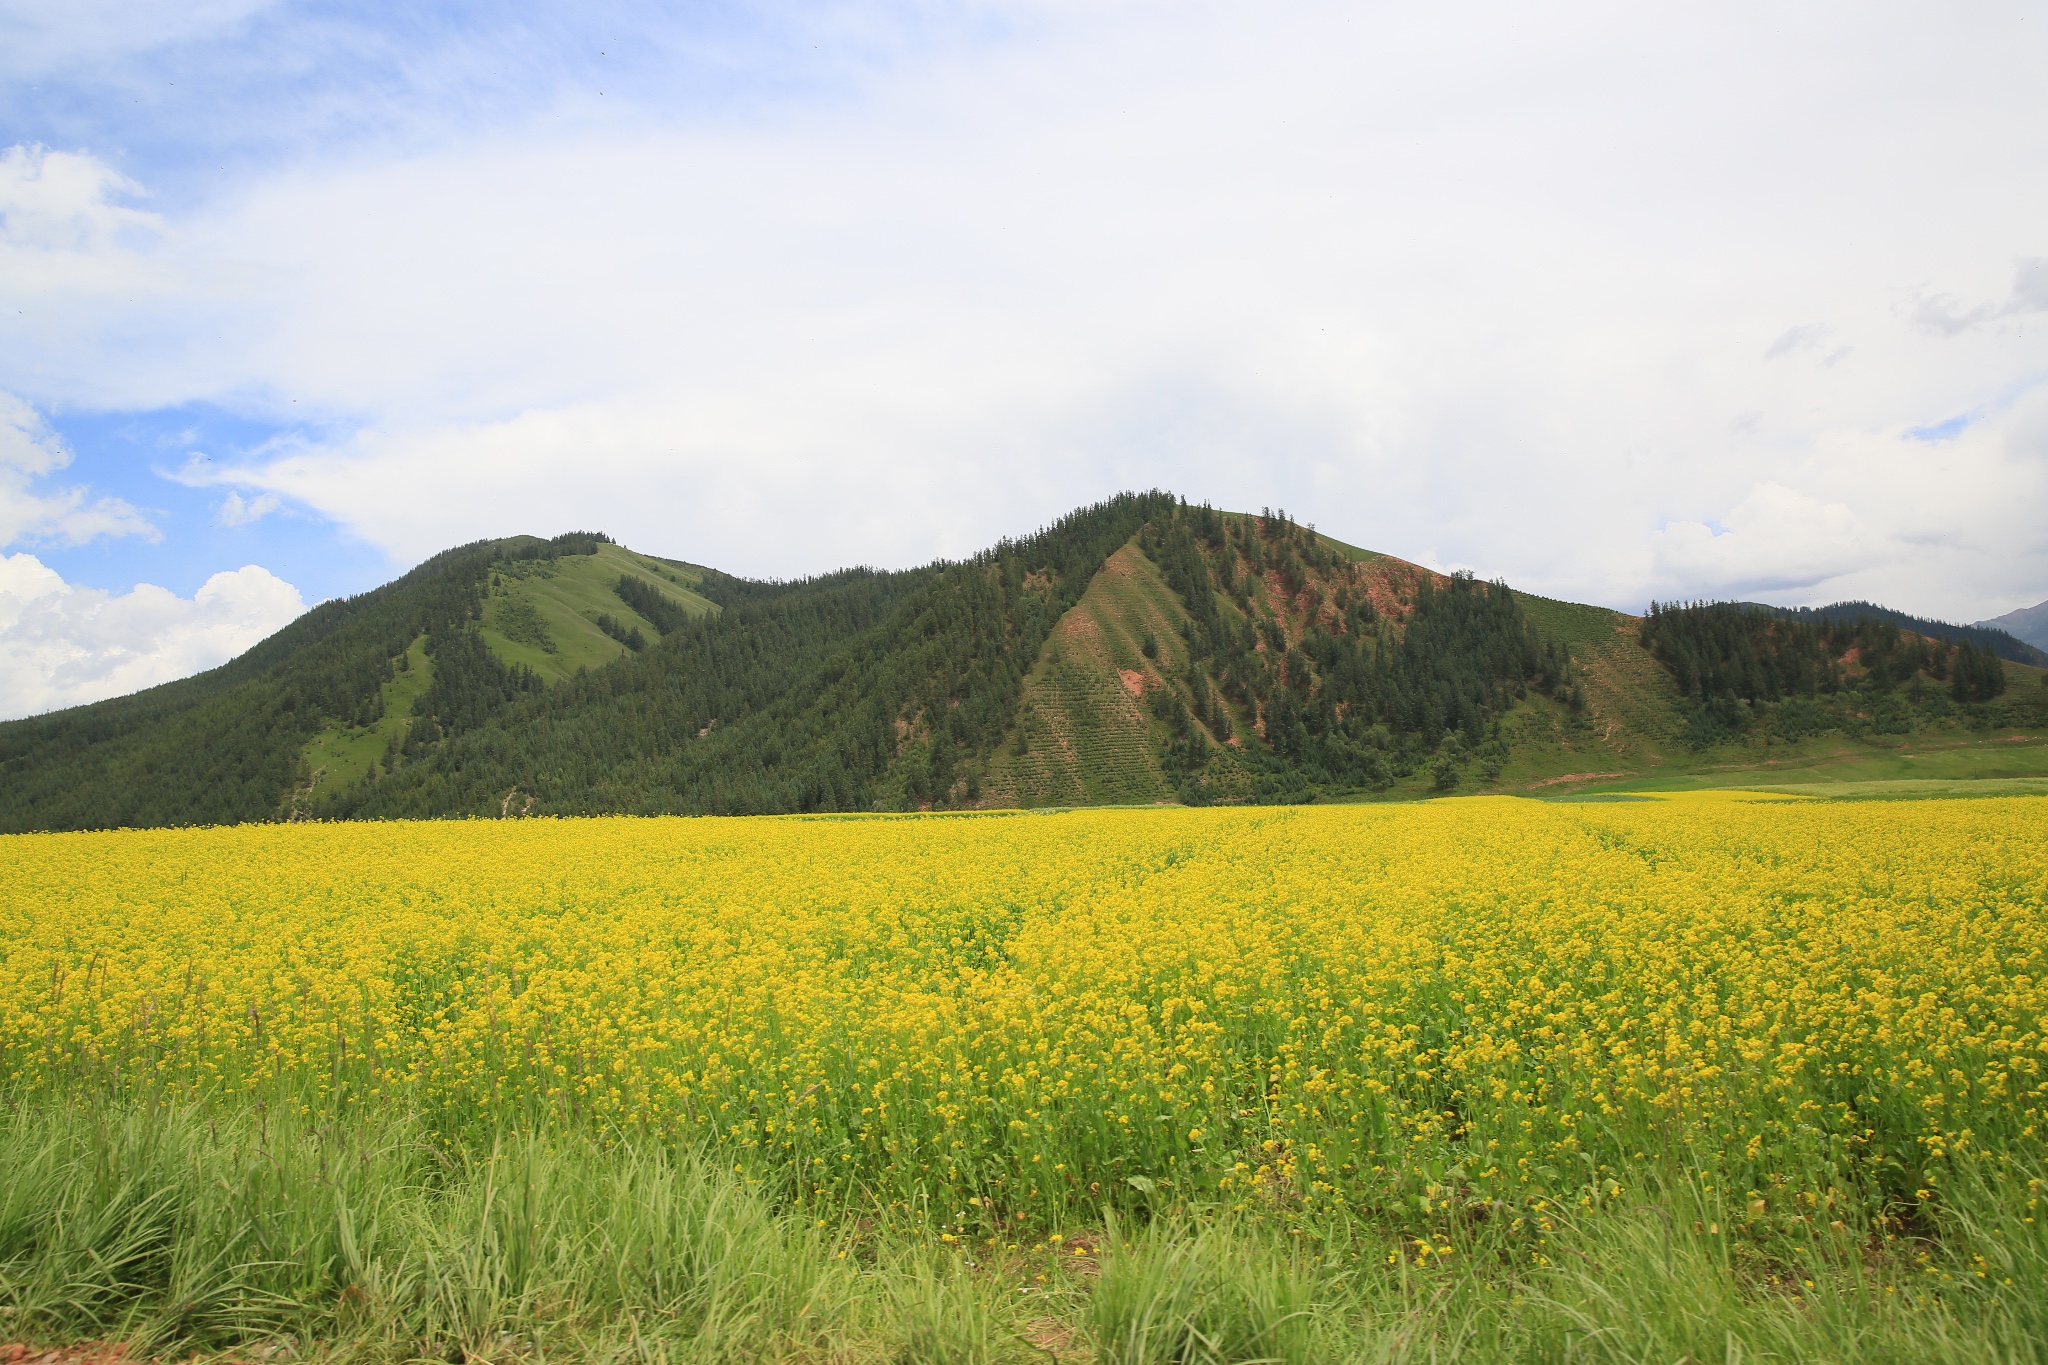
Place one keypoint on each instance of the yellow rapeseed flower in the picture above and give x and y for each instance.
(1407, 1007)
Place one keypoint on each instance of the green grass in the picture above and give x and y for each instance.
(1351, 552)
(244, 1232)
(2018, 676)
(565, 596)
(1569, 623)
(1631, 739)
(341, 754)
(1938, 756)
(1914, 789)
(1553, 758)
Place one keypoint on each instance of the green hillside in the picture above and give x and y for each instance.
(344, 752)
(1225, 657)
(1892, 710)
(850, 692)
(229, 744)
(1137, 651)
(544, 614)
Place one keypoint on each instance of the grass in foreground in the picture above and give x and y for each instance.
(265, 1237)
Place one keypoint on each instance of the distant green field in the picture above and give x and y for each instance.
(1943, 758)
(1911, 789)
(543, 613)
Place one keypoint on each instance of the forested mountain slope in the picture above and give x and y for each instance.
(1984, 635)
(1138, 650)
(848, 692)
(229, 744)
(1230, 657)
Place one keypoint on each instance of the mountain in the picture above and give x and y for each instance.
(2028, 623)
(1137, 651)
(1985, 635)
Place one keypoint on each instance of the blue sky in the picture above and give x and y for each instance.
(195, 108)
(129, 456)
(1617, 304)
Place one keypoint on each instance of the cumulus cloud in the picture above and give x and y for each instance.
(63, 645)
(29, 449)
(27, 445)
(1928, 519)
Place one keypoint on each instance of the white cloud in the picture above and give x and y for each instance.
(42, 37)
(235, 510)
(1494, 285)
(1805, 337)
(62, 645)
(1777, 539)
(27, 445)
(63, 226)
(2029, 287)
(1925, 524)
(72, 516)
(1942, 315)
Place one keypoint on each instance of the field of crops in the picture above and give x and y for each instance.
(985, 1023)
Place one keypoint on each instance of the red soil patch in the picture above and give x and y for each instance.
(1119, 565)
(1575, 777)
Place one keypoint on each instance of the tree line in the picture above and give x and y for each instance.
(1740, 667)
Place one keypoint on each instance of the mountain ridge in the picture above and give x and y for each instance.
(1139, 650)
(2027, 623)
(2000, 641)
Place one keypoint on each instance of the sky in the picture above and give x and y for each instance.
(1615, 302)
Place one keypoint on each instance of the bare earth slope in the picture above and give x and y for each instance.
(1082, 736)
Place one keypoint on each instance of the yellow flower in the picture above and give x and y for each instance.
(1016, 1013)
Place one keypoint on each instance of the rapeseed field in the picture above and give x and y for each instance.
(1822, 1014)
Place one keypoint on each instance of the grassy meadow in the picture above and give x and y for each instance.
(542, 613)
(1715, 1075)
